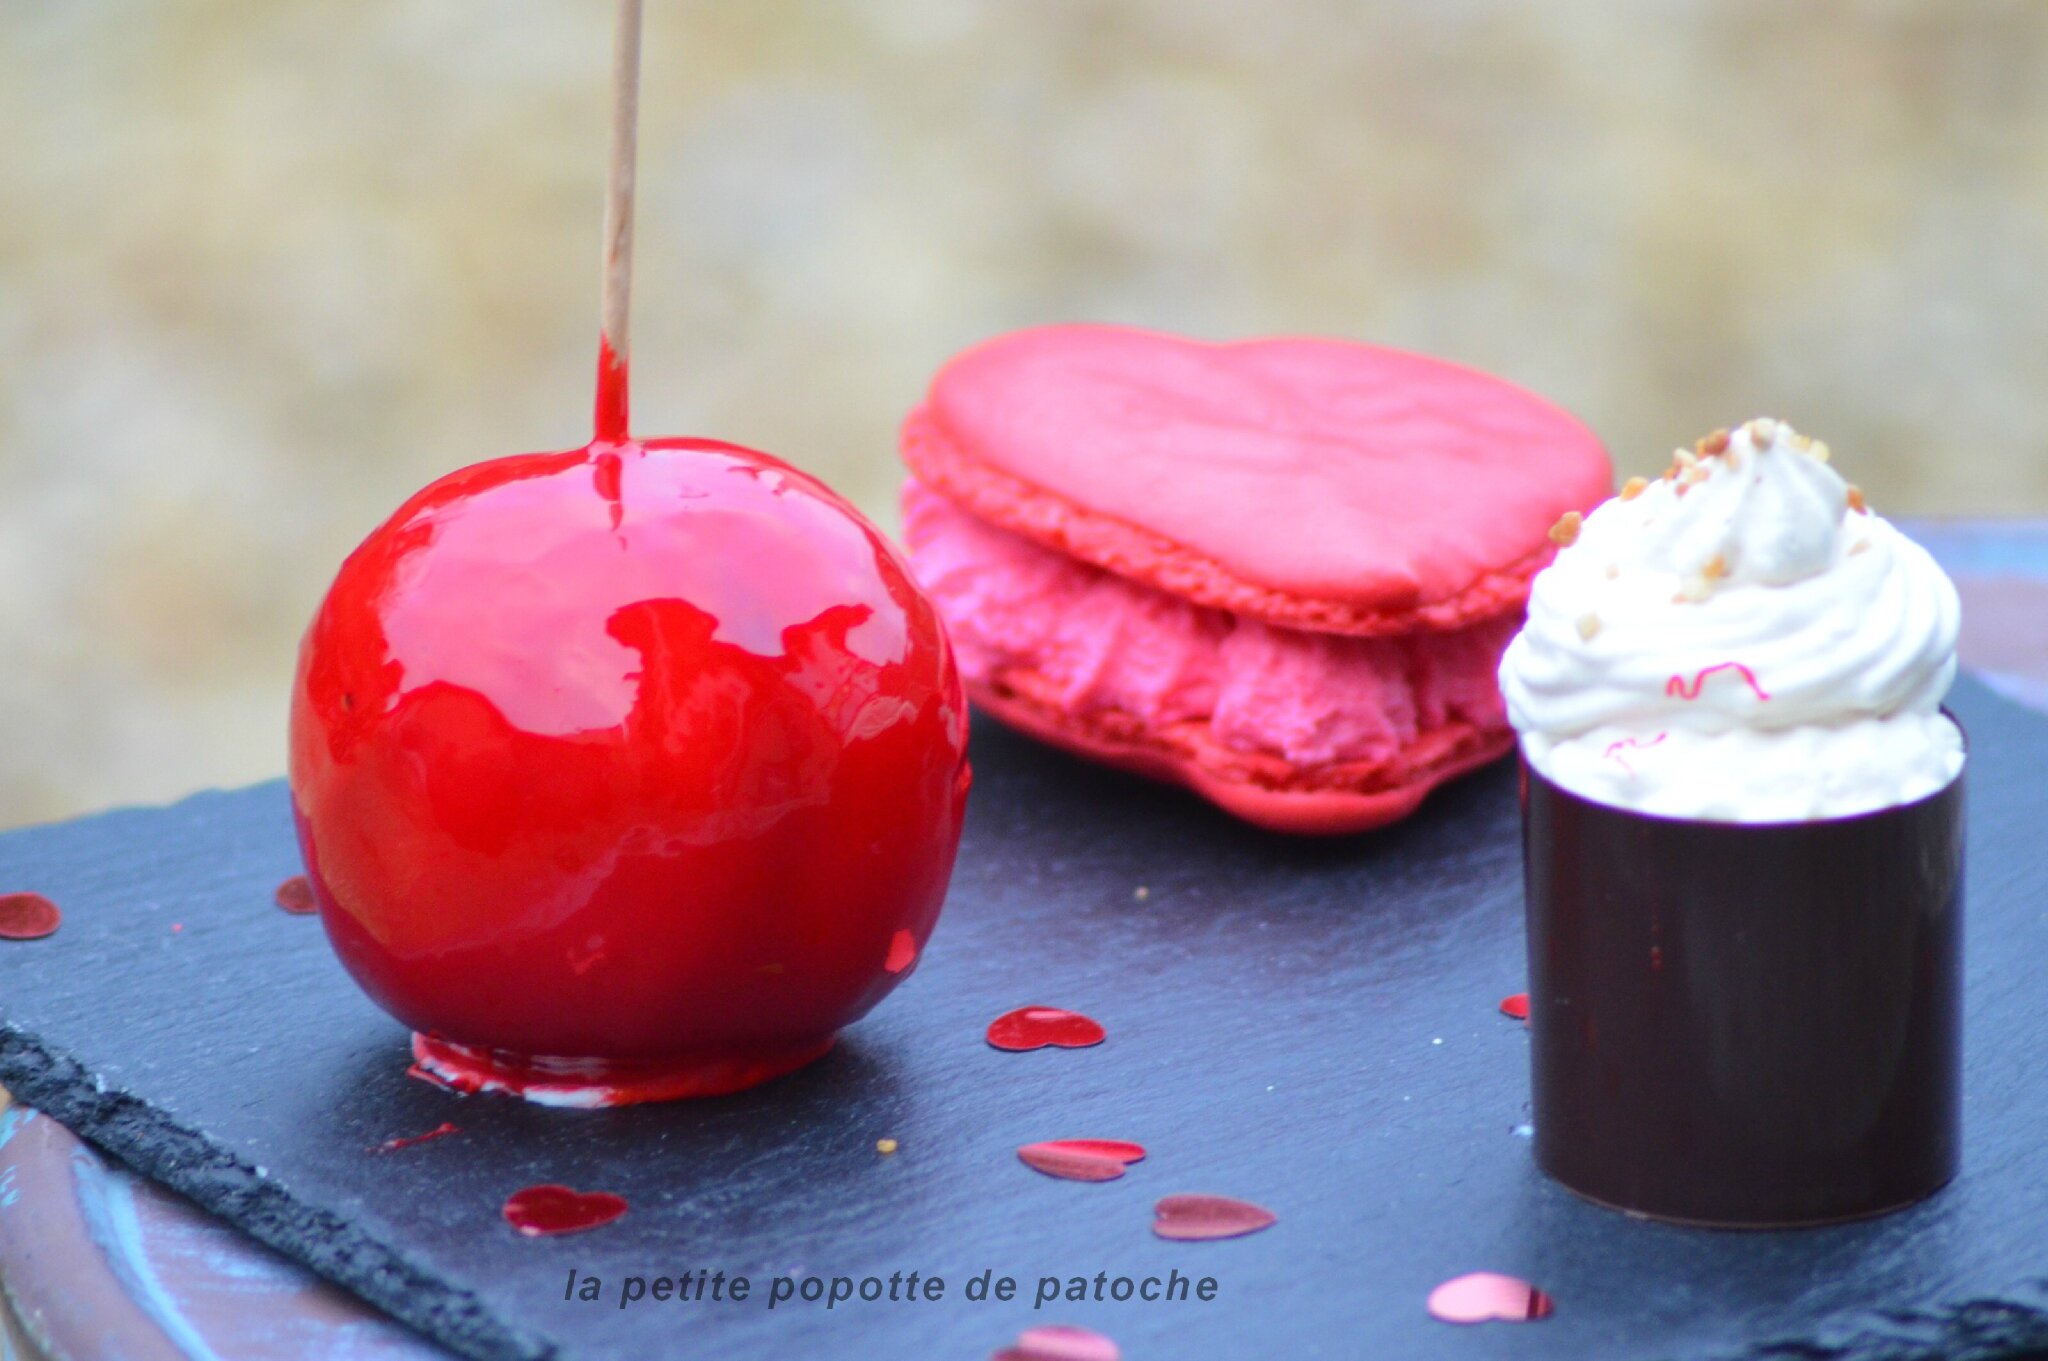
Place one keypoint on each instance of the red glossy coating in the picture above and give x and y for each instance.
(648, 754)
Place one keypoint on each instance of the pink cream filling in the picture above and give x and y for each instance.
(1100, 642)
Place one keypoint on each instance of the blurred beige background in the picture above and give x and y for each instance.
(266, 266)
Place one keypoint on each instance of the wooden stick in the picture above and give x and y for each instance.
(618, 225)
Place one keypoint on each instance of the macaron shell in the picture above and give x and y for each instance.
(1316, 483)
(1387, 792)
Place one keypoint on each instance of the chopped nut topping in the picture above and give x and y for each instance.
(1820, 450)
(1589, 624)
(1856, 501)
(1633, 488)
(1716, 568)
(1709, 445)
(1858, 547)
(1685, 467)
(1762, 431)
(1565, 532)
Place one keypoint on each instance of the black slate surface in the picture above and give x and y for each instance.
(1310, 1026)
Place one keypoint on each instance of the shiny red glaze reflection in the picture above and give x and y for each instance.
(646, 753)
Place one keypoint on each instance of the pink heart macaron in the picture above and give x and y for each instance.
(1278, 572)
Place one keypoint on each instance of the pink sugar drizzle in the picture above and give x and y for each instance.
(1613, 752)
(1677, 687)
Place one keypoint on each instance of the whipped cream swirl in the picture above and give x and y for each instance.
(1739, 640)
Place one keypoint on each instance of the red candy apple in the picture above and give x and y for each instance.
(630, 772)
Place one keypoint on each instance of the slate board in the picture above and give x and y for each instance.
(1308, 1025)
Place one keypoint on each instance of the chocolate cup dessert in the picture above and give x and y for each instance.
(1745, 1025)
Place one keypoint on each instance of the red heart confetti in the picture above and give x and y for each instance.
(27, 916)
(1036, 1027)
(1081, 1159)
(902, 952)
(1485, 1296)
(1516, 1006)
(295, 895)
(541, 1210)
(1060, 1342)
(440, 1131)
(1199, 1218)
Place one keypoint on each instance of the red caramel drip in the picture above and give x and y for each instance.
(611, 394)
(446, 1081)
(1678, 688)
(28, 916)
(608, 477)
(1515, 1006)
(1486, 1296)
(1037, 1027)
(1081, 1159)
(1614, 749)
(541, 1211)
(592, 1083)
(1199, 1218)
(295, 895)
(440, 1131)
(1060, 1342)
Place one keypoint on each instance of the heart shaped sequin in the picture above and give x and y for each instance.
(1060, 1342)
(28, 916)
(1487, 1296)
(1081, 1159)
(295, 895)
(539, 1211)
(1200, 1218)
(1037, 1027)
